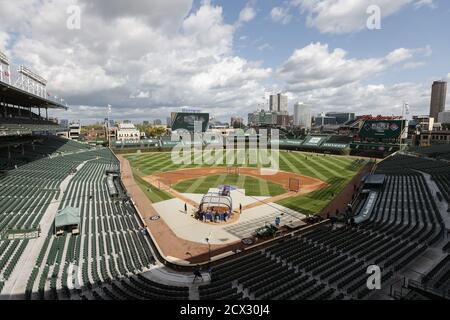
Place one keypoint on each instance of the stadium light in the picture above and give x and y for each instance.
(7, 73)
(31, 82)
(32, 75)
(3, 58)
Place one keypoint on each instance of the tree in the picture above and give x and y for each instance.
(151, 131)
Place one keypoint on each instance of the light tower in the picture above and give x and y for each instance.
(5, 69)
(107, 126)
(31, 82)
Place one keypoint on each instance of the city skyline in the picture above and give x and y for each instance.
(223, 57)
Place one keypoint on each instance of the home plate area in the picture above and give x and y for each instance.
(241, 226)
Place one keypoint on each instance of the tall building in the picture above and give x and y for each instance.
(273, 103)
(438, 97)
(302, 116)
(278, 103)
(282, 103)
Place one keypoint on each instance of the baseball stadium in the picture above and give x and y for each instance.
(97, 223)
(83, 222)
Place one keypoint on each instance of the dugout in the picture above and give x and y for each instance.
(68, 220)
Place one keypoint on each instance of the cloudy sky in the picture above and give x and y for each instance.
(150, 57)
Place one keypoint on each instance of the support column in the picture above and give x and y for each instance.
(46, 114)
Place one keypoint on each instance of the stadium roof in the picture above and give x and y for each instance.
(15, 96)
(67, 217)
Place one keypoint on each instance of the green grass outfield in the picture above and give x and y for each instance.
(253, 186)
(152, 193)
(337, 171)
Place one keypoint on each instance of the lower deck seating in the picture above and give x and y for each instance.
(438, 278)
(331, 263)
(110, 252)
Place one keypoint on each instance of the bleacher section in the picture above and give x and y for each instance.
(20, 151)
(112, 248)
(25, 194)
(331, 263)
(318, 143)
(25, 123)
(441, 151)
(439, 170)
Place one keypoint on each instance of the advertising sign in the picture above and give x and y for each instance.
(381, 129)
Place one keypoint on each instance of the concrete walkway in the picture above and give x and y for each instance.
(16, 285)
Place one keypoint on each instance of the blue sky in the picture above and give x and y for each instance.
(408, 28)
(149, 58)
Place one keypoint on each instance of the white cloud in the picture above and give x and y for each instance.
(330, 80)
(281, 15)
(146, 68)
(315, 66)
(413, 65)
(4, 39)
(167, 15)
(425, 51)
(422, 3)
(124, 57)
(345, 16)
(368, 99)
(247, 14)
